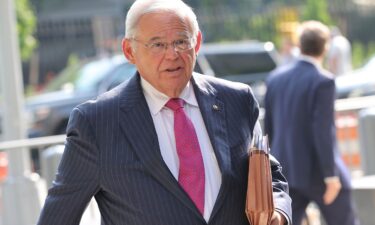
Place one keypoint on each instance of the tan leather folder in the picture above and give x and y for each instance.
(259, 199)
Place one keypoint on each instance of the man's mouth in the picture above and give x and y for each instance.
(173, 69)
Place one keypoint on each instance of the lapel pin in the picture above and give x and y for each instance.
(215, 107)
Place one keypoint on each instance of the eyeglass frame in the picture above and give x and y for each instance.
(191, 42)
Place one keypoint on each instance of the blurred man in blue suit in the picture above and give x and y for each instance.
(125, 149)
(300, 122)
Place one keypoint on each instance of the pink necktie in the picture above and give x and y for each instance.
(191, 172)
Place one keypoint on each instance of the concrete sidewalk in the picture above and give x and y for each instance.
(364, 197)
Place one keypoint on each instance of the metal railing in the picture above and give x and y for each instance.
(354, 104)
(50, 160)
(32, 142)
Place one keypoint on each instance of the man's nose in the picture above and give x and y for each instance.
(171, 52)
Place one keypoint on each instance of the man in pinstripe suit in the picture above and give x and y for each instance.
(121, 147)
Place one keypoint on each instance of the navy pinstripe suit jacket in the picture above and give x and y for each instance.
(112, 153)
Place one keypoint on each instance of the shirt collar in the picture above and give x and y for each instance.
(311, 60)
(157, 100)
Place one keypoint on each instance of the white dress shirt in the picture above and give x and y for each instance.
(163, 120)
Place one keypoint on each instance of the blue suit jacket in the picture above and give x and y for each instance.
(300, 122)
(112, 153)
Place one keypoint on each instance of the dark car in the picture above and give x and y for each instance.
(247, 62)
(48, 113)
(358, 83)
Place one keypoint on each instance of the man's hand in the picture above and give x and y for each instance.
(278, 219)
(333, 187)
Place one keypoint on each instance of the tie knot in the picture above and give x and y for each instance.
(175, 103)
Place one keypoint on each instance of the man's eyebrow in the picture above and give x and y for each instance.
(155, 38)
(183, 34)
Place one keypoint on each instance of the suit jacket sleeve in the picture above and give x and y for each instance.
(323, 126)
(280, 188)
(77, 177)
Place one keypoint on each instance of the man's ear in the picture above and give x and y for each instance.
(199, 42)
(127, 49)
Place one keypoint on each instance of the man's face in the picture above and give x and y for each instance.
(164, 67)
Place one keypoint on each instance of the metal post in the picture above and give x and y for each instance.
(366, 130)
(21, 189)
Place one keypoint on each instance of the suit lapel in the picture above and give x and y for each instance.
(213, 113)
(137, 124)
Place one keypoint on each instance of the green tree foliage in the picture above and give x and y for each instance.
(317, 10)
(263, 27)
(233, 20)
(26, 24)
(358, 52)
(362, 52)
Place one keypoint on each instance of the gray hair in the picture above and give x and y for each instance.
(142, 7)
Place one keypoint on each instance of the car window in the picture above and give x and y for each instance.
(68, 75)
(89, 76)
(240, 63)
(248, 62)
(84, 77)
(120, 74)
(237, 58)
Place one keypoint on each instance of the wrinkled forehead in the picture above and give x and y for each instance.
(179, 10)
(163, 25)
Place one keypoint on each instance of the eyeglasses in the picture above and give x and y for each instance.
(159, 47)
